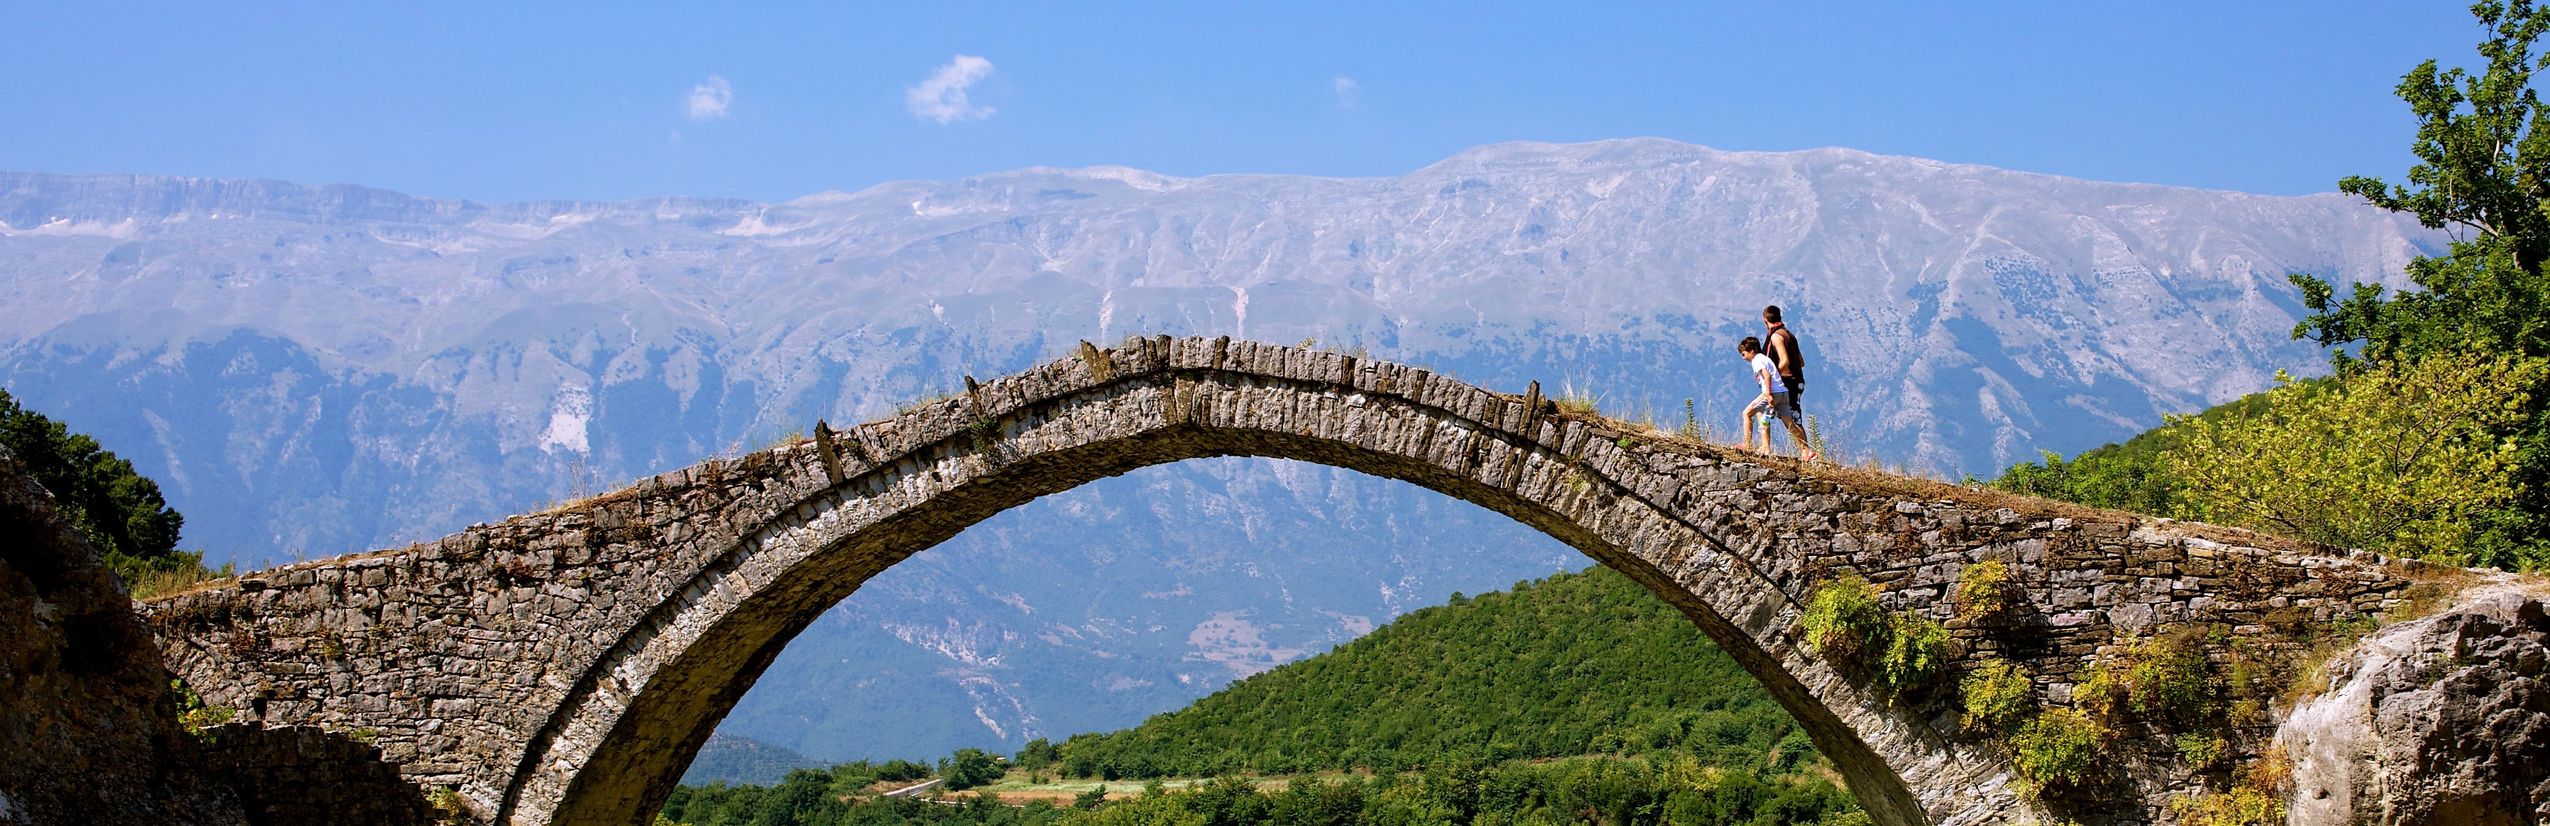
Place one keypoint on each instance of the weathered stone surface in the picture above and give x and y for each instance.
(306, 776)
(88, 726)
(87, 734)
(562, 667)
(2443, 720)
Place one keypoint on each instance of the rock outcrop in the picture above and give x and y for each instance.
(89, 729)
(87, 732)
(2441, 720)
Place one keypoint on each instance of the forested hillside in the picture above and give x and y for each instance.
(1580, 698)
(1575, 664)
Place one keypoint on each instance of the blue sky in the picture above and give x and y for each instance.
(522, 101)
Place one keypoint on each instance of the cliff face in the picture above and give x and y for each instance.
(2443, 720)
(87, 734)
(88, 724)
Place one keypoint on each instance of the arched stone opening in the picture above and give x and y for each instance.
(626, 737)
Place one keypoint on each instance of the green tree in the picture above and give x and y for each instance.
(969, 767)
(1039, 754)
(116, 508)
(2404, 457)
(2483, 172)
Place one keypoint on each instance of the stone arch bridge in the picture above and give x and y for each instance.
(563, 667)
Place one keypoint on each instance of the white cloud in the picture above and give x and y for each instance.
(942, 97)
(708, 100)
(1350, 94)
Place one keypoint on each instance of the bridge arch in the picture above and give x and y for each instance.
(624, 739)
(564, 667)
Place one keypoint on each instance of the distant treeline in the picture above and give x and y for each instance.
(1673, 789)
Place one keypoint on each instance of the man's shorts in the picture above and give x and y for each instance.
(1797, 387)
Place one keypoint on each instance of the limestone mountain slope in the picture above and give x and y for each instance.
(315, 370)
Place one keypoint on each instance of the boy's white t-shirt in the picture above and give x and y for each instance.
(1762, 364)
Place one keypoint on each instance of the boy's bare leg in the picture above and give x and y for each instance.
(1798, 432)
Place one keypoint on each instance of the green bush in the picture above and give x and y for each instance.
(1898, 651)
(1039, 754)
(193, 714)
(2126, 476)
(2255, 798)
(1983, 592)
(2056, 748)
(2163, 680)
(969, 767)
(2202, 750)
(1916, 651)
(1844, 620)
(2168, 680)
(2239, 806)
(1996, 694)
(447, 804)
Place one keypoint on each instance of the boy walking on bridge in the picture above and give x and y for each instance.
(1789, 361)
(1774, 401)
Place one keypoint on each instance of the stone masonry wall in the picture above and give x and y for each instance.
(563, 666)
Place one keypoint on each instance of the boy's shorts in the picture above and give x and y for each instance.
(1778, 406)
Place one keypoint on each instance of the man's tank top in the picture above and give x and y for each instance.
(1784, 352)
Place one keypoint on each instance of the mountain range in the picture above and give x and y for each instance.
(313, 370)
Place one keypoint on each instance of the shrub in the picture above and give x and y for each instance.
(2236, 806)
(2167, 680)
(1996, 695)
(1899, 651)
(1041, 753)
(2202, 750)
(2164, 680)
(193, 714)
(118, 510)
(447, 804)
(2129, 476)
(2099, 695)
(1844, 620)
(1983, 592)
(2256, 799)
(1916, 650)
(2055, 748)
(969, 767)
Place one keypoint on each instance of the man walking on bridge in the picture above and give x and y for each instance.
(1781, 345)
